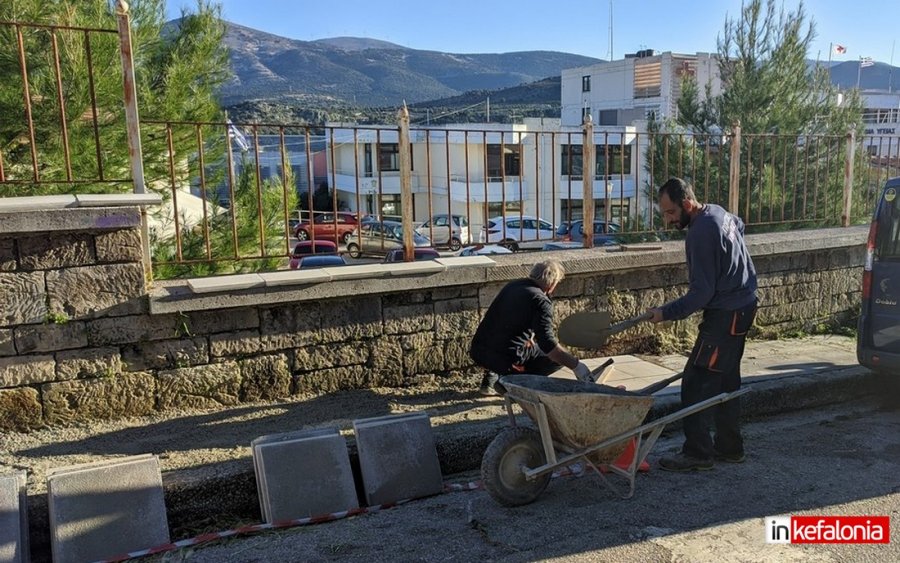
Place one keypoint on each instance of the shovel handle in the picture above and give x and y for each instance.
(628, 323)
(660, 385)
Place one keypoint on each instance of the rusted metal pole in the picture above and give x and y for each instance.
(133, 125)
(734, 179)
(848, 179)
(589, 167)
(406, 204)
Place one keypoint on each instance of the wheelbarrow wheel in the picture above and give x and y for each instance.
(508, 454)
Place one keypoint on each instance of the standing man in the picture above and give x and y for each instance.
(722, 283)
(516, 334)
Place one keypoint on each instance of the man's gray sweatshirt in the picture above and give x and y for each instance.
(720, 269)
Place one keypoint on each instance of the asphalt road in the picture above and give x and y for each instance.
(842, 460)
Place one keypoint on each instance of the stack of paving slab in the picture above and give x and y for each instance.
(13, 519)
(307, 473)
(104, 509)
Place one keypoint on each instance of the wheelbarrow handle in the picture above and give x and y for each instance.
(660, 385)
(628, 323)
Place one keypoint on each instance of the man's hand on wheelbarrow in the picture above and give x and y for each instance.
(583, 373)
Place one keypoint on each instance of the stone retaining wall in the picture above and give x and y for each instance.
(82, 337)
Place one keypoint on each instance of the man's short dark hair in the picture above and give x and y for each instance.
(678, 191)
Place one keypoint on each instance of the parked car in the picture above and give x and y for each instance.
(604, 233)
(308, 248)
(396, 255)
(485, 250)
(878, 334)
(380, 238)
(336, 227)
(321, 261)
(446, 230)
(514, 229)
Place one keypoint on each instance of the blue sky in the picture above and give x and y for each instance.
(867, 28)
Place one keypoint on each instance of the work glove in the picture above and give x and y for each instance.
(583, 373)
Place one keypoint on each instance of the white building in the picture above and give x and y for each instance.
(483, 170)
(881, 119)
(635, 88)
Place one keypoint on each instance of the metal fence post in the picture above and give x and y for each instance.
(734, 170)
(133, 125)
(848, 179)
(406, 203)
(589, 168)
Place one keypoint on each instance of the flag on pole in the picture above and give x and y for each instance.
(237, 136)
(838, 49)
(865, 61)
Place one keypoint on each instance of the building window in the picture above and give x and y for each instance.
(390, 206)
(586, 83)
(608, 117)
(585, 113)
(606, 155)
(496, 208)
(508, 165)
(367, 160)
(389, 157)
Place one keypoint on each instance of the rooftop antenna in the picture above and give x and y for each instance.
(609, 53)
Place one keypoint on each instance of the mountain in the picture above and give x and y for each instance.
(880, 76)
(367, 72)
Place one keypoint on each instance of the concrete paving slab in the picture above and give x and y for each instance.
(117, 200)
(225, 283)
(295, 277)
(102, 509)
(357, 271)
(463, 261)
(304, 473)
(414, 268)
(36, 203)
(397, 457)
(13, 518)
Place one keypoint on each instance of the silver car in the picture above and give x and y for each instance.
(446, 230)
(380, 238)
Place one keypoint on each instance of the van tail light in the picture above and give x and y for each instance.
(567, 238)
(870, 260)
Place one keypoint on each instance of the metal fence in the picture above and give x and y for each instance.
(236, 194)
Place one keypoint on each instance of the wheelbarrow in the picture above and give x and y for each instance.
(576, 422)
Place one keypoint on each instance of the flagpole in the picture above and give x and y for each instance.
(830, 50)
(891, 71)
(858, 73)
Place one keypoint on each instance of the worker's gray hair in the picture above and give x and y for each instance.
(547, 273)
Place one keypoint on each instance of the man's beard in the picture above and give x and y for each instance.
(684, 220)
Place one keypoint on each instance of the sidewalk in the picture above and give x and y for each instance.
(206, 461)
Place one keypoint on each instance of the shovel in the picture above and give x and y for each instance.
(591, 329)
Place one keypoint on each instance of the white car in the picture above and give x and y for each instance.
(452, 230)
(514, 229)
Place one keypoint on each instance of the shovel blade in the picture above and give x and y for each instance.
(588, 329)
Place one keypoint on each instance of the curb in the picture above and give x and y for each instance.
(194, 497)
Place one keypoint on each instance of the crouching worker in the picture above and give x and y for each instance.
(516, 334)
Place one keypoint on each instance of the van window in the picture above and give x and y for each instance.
(888, 243)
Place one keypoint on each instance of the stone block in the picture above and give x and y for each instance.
(200, 387)
(119, 246)
(226, 320)
(427, 359)
(138, 328)
(406, 319)
(50, 337)
(165, 354)
(386, 354)
(26, 370)
(330, 355)
(97, 291)
(462, 323)
(104, 509)
(570, 287)
(331, 380)
(82, 400)
(397, 458)
(240, 343)
(456, 353)
(303, 474)
(56, 251)
(290, 319)
(7, 346)
(7, 255)
(351, 319)
(265, 378)
(22, 298)
(13, 518)
(20, 409)
(90, 362)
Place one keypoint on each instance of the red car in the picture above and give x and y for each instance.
(308, 248)
(337, 227)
